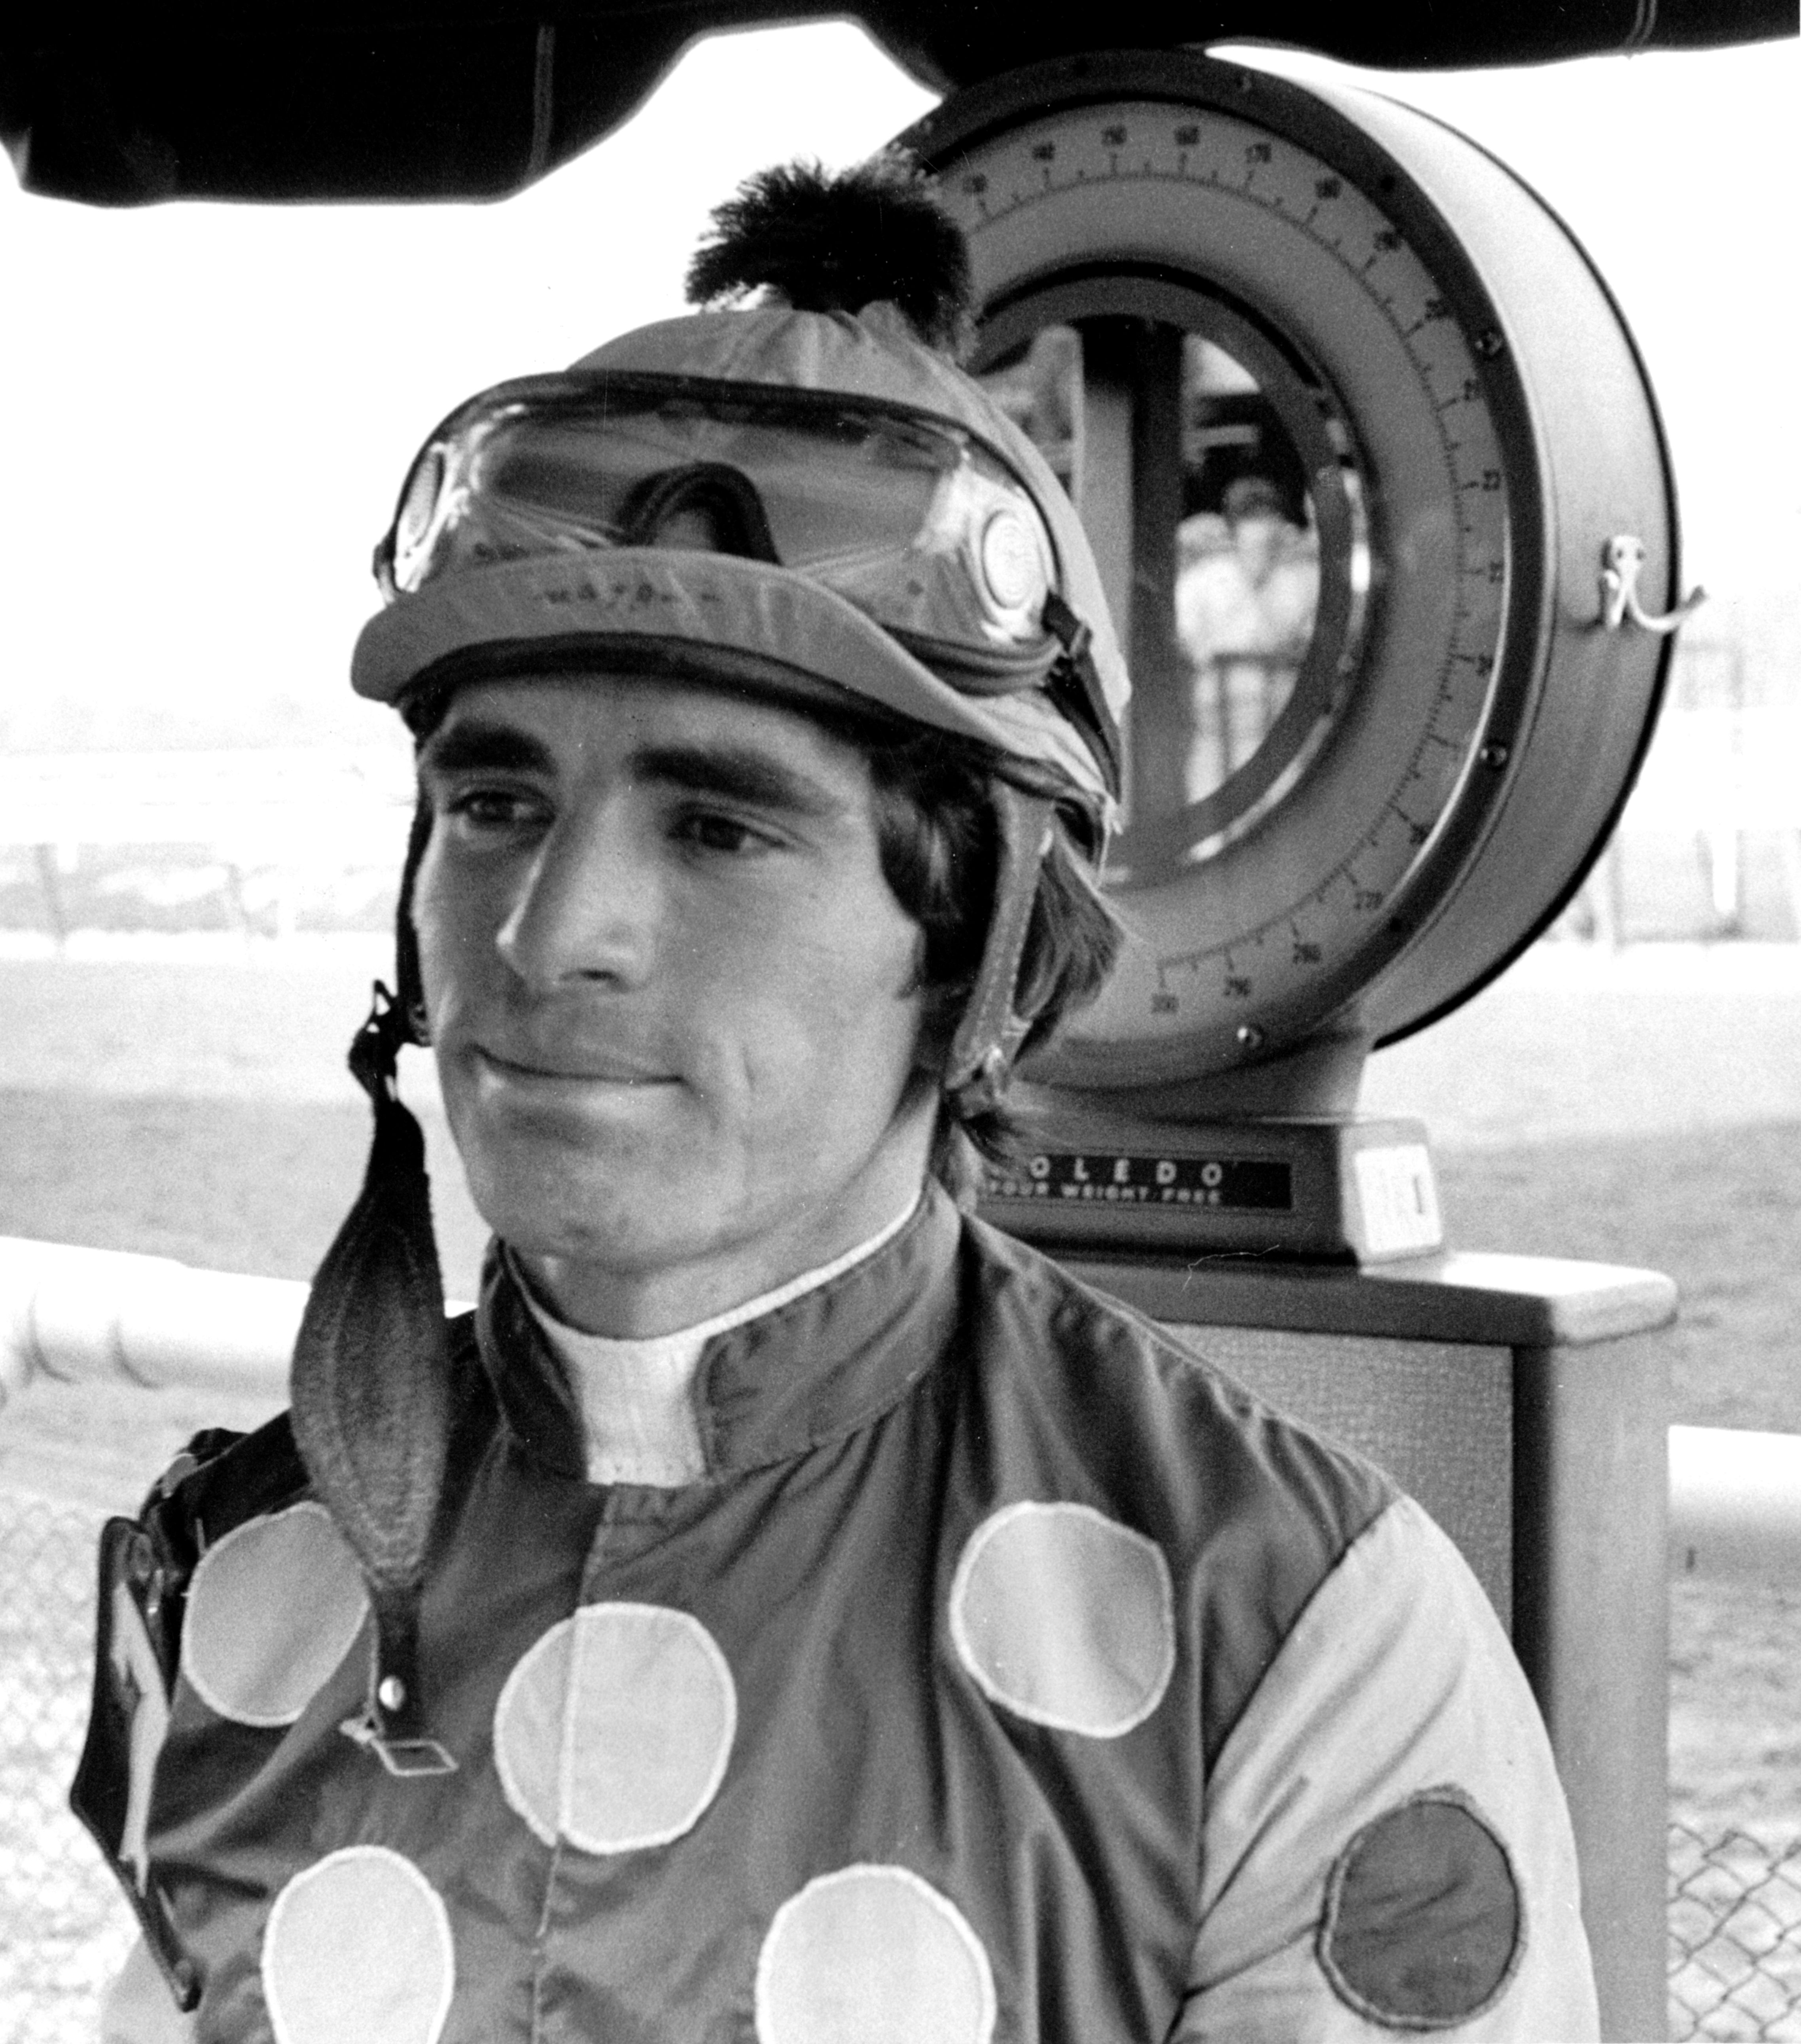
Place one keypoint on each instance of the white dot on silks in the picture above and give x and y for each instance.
(271, 1610)
(1065, 1617)
(876, 1954)
(613, 1731)
(358, 1947)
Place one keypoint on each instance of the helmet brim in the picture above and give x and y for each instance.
(717, 616)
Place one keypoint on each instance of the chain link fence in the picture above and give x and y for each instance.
(1734, 1936)
(64, 1929)
(1734, 1900)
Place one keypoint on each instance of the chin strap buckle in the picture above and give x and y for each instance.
(406, 1758)
(392, 1726)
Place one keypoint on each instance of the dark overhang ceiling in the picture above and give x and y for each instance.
(393, 101)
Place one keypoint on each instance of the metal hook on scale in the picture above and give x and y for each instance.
(1621, 558)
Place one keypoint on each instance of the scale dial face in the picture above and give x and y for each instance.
(1302, 291)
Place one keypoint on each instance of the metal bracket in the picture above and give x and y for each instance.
(403, 1757)
(1622, 558)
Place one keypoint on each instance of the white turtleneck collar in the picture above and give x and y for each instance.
(637, 1394)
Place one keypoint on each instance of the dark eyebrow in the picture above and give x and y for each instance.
(739, 774)
(732, 773)
(476, 745)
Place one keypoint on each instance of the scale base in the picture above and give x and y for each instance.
(1333, 1188)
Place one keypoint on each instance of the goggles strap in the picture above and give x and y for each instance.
(988, 1037)
(1073, 685)
(374, 1393)
(725, 497)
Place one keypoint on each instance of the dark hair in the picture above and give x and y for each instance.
(937, 839)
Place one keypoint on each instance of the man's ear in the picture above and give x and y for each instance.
(409, 984)
(941, 1009)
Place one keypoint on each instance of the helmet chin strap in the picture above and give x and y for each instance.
(372, 1389)
(992, 1030)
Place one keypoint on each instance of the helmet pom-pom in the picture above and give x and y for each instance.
(828, 244)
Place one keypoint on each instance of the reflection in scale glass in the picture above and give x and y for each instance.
(1247, 547)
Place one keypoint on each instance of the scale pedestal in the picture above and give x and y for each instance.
(1523, 1400)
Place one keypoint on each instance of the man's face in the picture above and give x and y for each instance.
(671, 997)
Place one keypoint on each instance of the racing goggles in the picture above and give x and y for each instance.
(925, 528)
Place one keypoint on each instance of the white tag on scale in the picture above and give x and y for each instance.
(1399, 1199)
